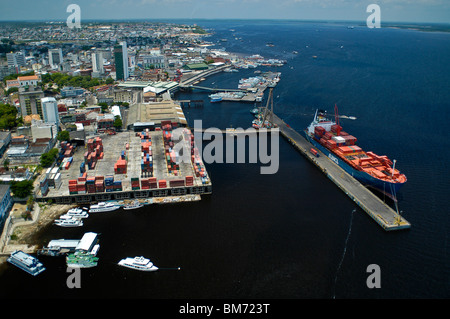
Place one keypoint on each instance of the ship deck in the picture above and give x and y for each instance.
(378, 210)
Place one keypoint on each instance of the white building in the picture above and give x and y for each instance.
(50, 110)
(125, 60)
(15, 59)
(55, 57)
(40, 130)
(97, 63)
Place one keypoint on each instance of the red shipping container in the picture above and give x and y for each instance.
(335, 128)
(162, 183)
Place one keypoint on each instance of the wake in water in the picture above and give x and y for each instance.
(343, 254)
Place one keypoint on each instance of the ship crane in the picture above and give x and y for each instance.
(336, 115)
(266, 110)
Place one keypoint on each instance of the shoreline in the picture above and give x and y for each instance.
(26, 231)
(43, 215)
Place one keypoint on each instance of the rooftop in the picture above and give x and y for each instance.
(156, 112)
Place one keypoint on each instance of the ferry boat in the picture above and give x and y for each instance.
(138, 263)
(133, 205)
(370, 169)
(26, 262)
(68, 222)
(103, 207)
(81, 260)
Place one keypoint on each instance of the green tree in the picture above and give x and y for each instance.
(6, 164)
(117, 122)
(104, 106)
(22, 189)
(48, 158)
(63, 136)
(8, 116)
(11, 90)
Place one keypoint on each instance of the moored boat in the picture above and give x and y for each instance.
(370, 169)
(26, 262)
(68, 222)
(133, 205)
(81, 260)
(77, 213)
(103, 207)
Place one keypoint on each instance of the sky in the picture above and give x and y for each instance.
(432, 11)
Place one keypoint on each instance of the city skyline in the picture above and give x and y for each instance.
(418, 11)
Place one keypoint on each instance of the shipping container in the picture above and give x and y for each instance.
(314, 152)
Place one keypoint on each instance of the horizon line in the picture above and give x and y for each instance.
(220, 19)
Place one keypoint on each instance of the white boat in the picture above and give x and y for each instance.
(103, 207)
(26, 262)
(77, 213)
(68, 222)
(138, 263)
(133, 205)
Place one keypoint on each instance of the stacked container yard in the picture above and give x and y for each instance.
(67, 149)
(94, 152)
(67, 161)
(117, 185)
(148, 183)
(73, 187)
(146, 154)
(120, 167)
(135, 183)
(189, 180)
(172, 159)
(162, 183)
(99, 184)
(90, 185)
(109, 183)
(197, 163)
(53, 178)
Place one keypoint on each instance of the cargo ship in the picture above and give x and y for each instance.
(370, 169)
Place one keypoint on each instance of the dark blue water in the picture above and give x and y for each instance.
(293, 234)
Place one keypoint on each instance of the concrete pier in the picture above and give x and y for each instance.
(384, 215)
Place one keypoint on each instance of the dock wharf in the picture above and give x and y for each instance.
(191, 103)
(378, 210)
(127, 148)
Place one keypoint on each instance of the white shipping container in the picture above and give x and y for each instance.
(338, 139)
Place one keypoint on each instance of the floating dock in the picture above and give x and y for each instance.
(384, 215)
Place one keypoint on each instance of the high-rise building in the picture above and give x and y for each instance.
(55, 57)
(30, 100)
(15, 60)
(50, 110)
(121, 60)
(97, 64)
